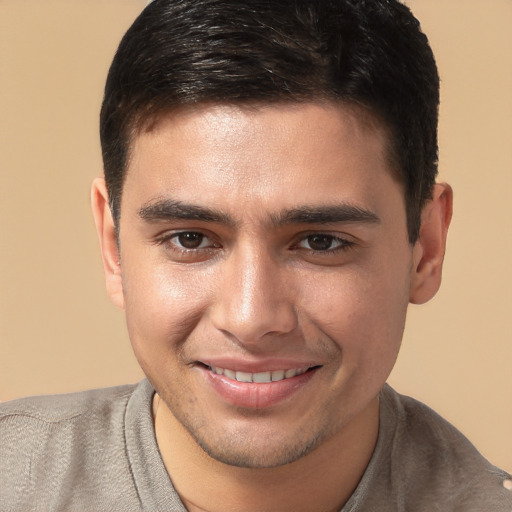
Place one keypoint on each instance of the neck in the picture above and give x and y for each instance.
(322, 480)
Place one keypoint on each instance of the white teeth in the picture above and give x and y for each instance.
(244, 377)
(230, 374)
(260, 377)
(277, 375)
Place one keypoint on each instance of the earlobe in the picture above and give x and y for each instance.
(108, 241)
(428, 252)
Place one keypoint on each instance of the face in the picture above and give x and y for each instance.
(266, 273)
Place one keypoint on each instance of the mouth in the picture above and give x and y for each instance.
(259, 377)
(260, 389)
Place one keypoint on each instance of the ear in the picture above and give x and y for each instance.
(108, 241)
(428, 252)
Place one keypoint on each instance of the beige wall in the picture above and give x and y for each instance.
(58, 331)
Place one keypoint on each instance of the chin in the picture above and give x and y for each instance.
(252, 457)
(246, 450)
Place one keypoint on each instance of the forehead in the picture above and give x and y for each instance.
(277, 154)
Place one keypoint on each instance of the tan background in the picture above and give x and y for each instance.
(58, 332)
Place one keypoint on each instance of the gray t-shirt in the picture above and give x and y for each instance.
(96, 451)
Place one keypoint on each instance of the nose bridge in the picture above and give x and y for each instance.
(253, 301)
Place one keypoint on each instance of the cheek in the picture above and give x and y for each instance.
(363, 313)
(163, 305)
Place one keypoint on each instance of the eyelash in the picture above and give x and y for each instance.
(344, 243)
(167, 239)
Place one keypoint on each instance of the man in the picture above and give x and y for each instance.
(269, 209)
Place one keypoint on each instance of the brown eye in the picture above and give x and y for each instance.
(323, 242)
(320, 242)
(190, 240)
(188, 246)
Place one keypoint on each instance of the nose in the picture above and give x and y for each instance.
(254, 301)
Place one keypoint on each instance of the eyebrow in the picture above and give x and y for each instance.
(168, 210)
(326, 215)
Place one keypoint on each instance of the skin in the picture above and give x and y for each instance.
(261, 287)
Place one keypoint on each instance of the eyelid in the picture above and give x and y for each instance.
(341, 242)
(345, 237)
(168, 236)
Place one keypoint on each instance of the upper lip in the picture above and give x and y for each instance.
(257, 366)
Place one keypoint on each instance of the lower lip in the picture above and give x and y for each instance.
(252, 395)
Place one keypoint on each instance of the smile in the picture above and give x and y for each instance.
(257, 390)
(260, 377)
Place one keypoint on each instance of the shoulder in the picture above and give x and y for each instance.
(53, 409)
(33, 419)
(441, 465)
(47, 442)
